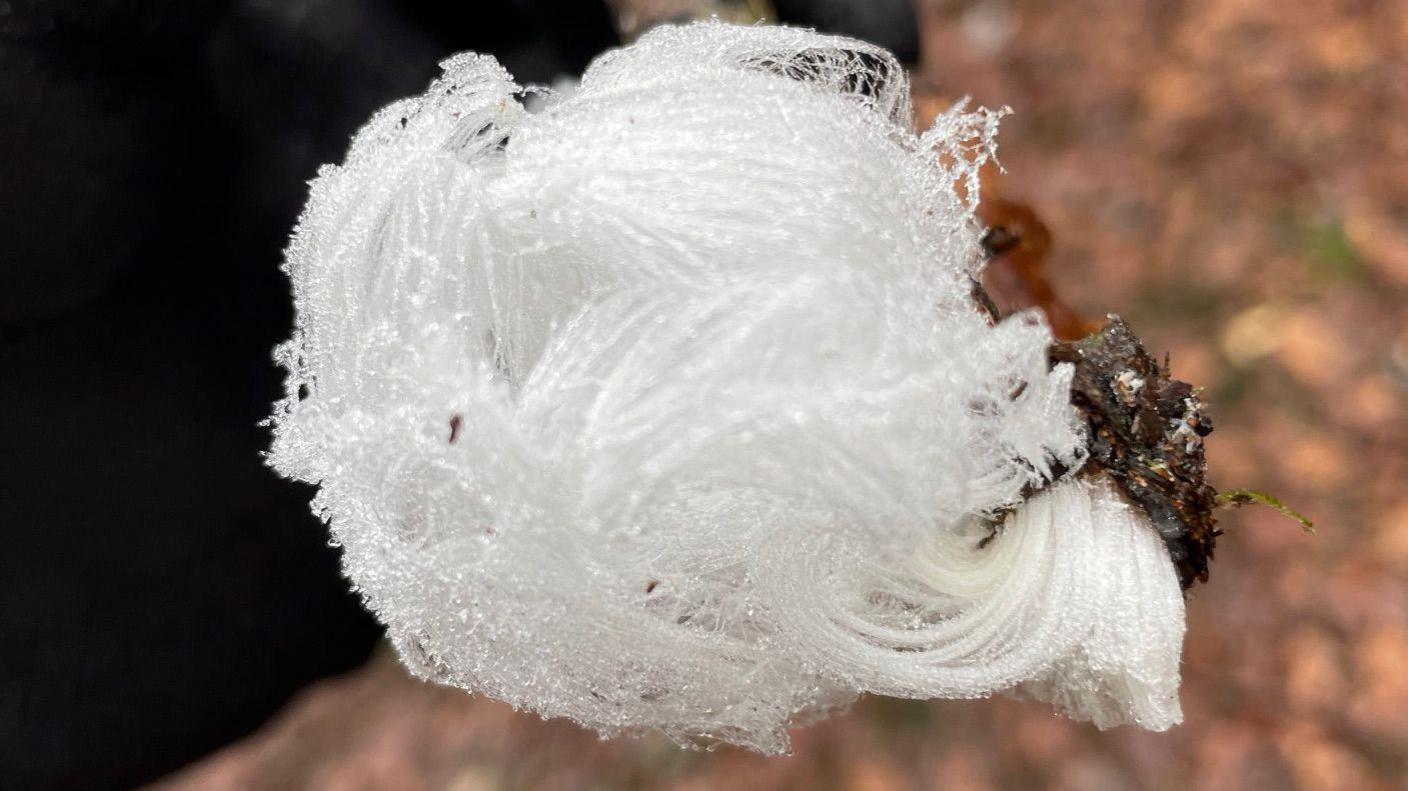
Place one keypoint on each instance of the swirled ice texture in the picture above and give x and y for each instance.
(667, 406)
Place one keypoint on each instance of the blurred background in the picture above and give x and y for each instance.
(1229, 175)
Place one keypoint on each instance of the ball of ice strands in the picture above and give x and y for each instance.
(666, 405)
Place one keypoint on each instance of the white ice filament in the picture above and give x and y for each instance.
(667, 406)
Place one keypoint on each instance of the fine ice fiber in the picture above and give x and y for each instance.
(666, 405)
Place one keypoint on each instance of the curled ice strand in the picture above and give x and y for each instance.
(666, 406)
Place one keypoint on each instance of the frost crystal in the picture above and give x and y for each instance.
(666, 406)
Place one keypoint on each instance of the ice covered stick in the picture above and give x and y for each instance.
(667, 406)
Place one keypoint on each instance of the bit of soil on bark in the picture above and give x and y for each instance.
(1146, 432)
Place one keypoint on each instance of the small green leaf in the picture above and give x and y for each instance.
(1238, 497)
